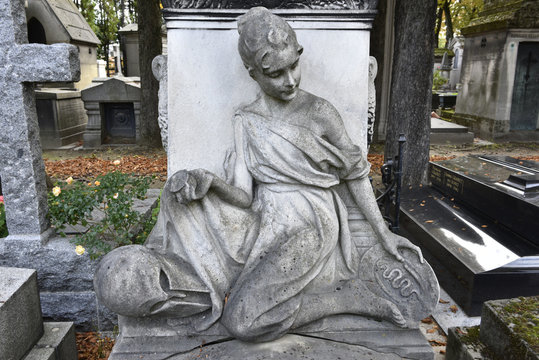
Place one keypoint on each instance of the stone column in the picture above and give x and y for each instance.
(22, 169)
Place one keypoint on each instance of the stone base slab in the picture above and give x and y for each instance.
(345, 336)
(57, 343)
(20, 314)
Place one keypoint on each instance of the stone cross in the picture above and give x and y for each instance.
(22, 170)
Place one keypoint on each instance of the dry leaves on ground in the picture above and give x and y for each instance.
(93, 346)
(84, 168)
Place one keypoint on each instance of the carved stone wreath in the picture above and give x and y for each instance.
(273, 4)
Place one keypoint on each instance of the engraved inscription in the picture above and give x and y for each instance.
(453, 182)
(435, 175)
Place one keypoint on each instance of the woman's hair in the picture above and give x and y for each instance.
(261, 32)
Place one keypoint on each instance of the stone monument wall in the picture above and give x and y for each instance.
(207, 80)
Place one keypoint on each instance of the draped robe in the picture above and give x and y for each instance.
(293, 240)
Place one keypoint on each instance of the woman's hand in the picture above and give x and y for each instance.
(191, 185)
(392, 242)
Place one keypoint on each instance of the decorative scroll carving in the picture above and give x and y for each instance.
(273, 4)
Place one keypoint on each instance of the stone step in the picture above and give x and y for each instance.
(496, 337)
(57, 343)
(447, 133)
(501, 321)
(21, 324)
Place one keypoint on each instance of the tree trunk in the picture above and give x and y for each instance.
(448, 24)
(409, 107)
(149, 29)
(439, 15)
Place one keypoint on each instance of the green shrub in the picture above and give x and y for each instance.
(438, 80)
(3, 224)
(112, 196)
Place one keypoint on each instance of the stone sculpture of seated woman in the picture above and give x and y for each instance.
(270, 250)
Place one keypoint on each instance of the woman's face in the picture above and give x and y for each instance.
(279, 74)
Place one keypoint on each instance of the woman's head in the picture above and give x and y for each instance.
(270, 51)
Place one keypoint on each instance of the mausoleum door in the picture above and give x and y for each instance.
(525, 107)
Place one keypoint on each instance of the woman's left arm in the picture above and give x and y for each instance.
(363, 195)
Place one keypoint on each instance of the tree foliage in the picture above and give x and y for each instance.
(453, 15)
(106, 17)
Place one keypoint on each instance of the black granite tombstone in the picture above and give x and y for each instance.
(477, 223)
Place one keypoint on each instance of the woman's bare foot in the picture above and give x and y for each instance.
(360, 300)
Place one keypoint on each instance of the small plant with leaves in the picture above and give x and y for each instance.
(438, 80)
(105, 207)
(3, 224)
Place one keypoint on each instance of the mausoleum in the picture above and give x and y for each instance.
(500, 72)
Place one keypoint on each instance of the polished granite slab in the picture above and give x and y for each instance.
(479, 233)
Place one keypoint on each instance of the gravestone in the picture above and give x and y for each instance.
(61, 117)
(182, 290)
(500, 72)
(22, 170)
(64, 278)
(478, 222)
(23, 334)
(113, 108)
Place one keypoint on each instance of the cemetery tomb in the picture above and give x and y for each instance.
(61, 117)
(478, 221)
(113, 108)
(59, 21)
(500, 72)
(23, 334)
(191, 304)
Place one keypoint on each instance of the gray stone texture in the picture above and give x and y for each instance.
(160, 71)
(160, 338)
(496, 332)
(65, 282)
(65, 279)
(20, 314)
(22, 170)
(289, 347)
(58, 336)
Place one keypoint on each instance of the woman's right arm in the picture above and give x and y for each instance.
(196, 183)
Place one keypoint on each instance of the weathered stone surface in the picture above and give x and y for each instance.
(20, 314)
(163, 338)
(288, 347)
(22, 171)
(65, 279)
(497, 329)
(160, 71)
(41, 354)
(220, 264)
(60, 336)
(286, 4)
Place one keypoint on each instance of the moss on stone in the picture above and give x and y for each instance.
(471, 336)
(522, 315)
(441, 51)
(504, 15)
